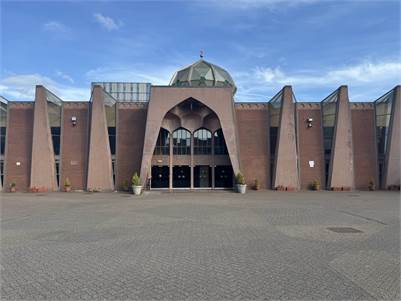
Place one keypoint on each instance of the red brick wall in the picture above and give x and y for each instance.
(19, 145)
(310, 145)
(131, 121)
(74, 145)
(253, 131)
(363, 135)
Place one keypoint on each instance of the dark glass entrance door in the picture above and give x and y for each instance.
(223, 176)
(160, 176)
(202, 176)
(181, 177)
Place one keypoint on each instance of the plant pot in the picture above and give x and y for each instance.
(137, 189)
(241, 188)
(67, 188)
(13, 189)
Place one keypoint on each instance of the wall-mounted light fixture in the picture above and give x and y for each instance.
(74, 120)
(309, 121)
(18, 163)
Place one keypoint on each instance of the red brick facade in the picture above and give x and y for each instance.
(310, 144)
(19, 146)
(74, 145)
(246, 134)
(253, 125)
(363, 134)
(131, 120)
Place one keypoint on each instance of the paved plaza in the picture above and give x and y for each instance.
(201, 245)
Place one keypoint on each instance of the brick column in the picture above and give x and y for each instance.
(170, 175)
(43, 169)
(342, 157)
(192, 162)
(100, 171)
(286, 171)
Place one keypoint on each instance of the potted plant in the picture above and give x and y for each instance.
(125, 185)
(241, 185)
(315, 184)
(67, 185)
(372, 185)
(136, 184)
(13, 187)
(257, 184)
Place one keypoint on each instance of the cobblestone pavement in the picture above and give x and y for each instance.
(215, 245)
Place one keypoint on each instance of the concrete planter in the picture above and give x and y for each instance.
(137, 189)
(241, 188)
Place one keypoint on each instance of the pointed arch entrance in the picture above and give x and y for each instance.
(190, 150)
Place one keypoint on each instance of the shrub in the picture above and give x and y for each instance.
(257, 184)
(372, 185)
(136, 180)
(315, 185)
(13, 184)
(125, 185)
(240, 179)
(67, 182)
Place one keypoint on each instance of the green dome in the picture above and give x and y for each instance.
(203, 74)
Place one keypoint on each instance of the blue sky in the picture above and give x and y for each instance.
(315, 46)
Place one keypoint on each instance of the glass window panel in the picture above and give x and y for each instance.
(183, 75)
(202, 142)
(142, 88)
(112, 139)
(383, 107)
(195, 83)
(329, 111)
(220, 147)
(163, 143)
(3, 131)
(273, 140)
(181, 142)
(56, 132)
(111, 115)
(3, 113)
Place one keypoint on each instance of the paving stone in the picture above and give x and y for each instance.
(202, 246)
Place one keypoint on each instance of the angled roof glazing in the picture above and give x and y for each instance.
(3, 111)
(329, 107)
(274, 109)
(54, 104)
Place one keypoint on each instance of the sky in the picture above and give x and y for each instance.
(314, 46)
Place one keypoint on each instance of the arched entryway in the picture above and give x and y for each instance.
(190, 151)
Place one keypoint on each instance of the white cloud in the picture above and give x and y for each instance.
(54, 26)
(157, 75)
(22, 87)
(65, 76)
(366, 81)
(364, 73)
(107, 22)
